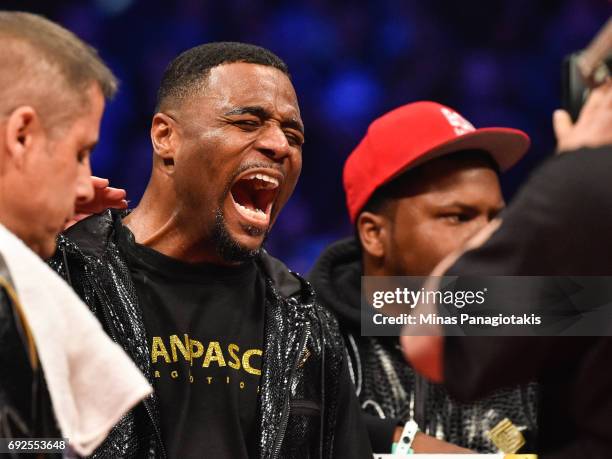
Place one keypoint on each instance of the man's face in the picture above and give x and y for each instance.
(239, 157)
(56, 174)
(450, 203)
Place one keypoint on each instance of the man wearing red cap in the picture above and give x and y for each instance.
(420, 183)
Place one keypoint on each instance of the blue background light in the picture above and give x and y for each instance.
(498, 63)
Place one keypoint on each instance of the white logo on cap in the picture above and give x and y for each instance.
(458, 122)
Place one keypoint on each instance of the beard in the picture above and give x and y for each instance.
(227, 247)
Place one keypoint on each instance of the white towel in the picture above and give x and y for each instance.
(92, 382)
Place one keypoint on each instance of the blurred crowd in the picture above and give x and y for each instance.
(498, 62)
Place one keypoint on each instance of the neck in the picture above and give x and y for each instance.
(157, 222)
(16, 221)
(13, 227)
(373, 266)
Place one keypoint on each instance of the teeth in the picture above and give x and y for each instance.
(257, 213)
(264, 178)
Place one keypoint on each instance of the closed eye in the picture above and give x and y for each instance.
(84, 153)
(294, 139)
(247, 124)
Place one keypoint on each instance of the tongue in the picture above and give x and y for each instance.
(243, 195)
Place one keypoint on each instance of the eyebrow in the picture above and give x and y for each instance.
(468, 207)
(264, 114)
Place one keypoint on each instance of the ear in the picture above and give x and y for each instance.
(165, 139)
(23, 129)
(373, 231)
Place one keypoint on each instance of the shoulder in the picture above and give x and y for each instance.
(574, 176)
(91, 235)
(300, 293)
(82, 249)
(286, 282)
(86, 241)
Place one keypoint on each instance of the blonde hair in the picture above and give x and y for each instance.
(44, 65)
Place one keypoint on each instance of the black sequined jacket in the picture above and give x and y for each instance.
(25, 404)
(305, 404)
(389, 391)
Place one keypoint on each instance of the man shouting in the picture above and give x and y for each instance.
(243, 360)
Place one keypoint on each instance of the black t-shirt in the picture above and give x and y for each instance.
(559, 224)
(204, 328)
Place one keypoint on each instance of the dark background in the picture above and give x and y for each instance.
(496, 62)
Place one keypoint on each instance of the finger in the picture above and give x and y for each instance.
(562, 124)
(114, 203)
(112, 198)
(114, 193)
(98, 182)
(101, 205)
(120, 204)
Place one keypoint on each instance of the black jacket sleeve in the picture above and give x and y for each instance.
(17, 376)
(381, 432)
(559, 224)
(25, 406)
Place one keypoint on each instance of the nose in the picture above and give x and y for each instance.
(84, 189)
(273, 142)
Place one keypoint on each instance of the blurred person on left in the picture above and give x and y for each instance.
(49, 123)
(35, 204)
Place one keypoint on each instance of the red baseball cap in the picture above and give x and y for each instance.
(413, 134)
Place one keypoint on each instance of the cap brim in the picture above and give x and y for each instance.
(507, 146)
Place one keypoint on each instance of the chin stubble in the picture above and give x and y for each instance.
(227, 247)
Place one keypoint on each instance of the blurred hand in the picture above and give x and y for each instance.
(425, 352)
(427, 444)
(105, 197)
(594, 125)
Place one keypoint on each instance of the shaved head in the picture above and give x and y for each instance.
(187, 74)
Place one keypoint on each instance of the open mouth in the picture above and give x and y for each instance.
(254, 194)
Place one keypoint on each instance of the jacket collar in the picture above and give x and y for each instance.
(92, 235)
(336, 278)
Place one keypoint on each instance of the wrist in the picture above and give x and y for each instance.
(408, 434)
(417, 443)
